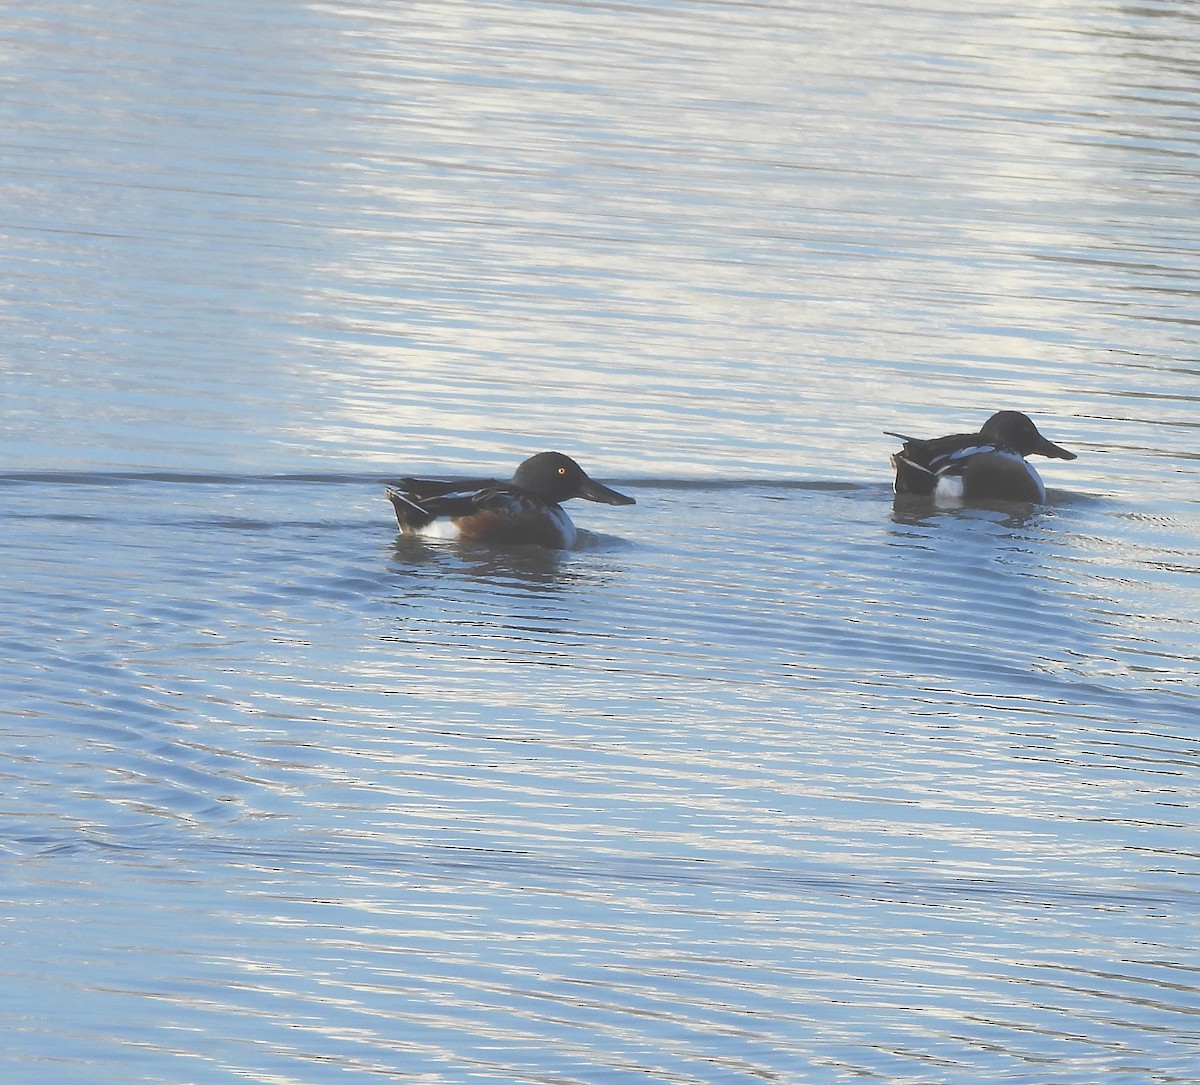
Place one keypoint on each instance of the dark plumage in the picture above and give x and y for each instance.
(983, 466)
(526, 510)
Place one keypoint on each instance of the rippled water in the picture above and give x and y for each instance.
(770, 777)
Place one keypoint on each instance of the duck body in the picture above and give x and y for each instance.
(524, 511)
(989, 465)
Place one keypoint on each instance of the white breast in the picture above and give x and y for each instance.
(568, 529)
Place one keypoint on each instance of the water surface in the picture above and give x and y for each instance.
(770, 777)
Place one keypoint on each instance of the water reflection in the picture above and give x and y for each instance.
(917, 509)
(535, 567)
(500, 603)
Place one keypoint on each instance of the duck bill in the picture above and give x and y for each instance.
(1053, 451)
(591, 490)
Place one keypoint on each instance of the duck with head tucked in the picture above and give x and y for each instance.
(986, 466)
(525, 511)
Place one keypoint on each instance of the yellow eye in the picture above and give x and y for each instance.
(562, 470)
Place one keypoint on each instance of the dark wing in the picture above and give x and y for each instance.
(952, 458)
(920, 463)
(467, 500)
(941, 455)
(420, 501)
(421, 489)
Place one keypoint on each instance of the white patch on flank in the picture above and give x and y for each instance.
(439, 529)
(949, 488)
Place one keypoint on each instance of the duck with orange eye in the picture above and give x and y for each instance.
(525, 511)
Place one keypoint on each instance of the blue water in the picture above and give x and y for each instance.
(769, 777)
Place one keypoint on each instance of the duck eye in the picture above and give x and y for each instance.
(562, 470)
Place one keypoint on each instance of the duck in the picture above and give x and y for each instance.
(989, 465)
(524, 511)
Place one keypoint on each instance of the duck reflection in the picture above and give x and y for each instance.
(535, 569)
(918, 509)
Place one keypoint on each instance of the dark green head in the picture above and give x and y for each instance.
(555, 477)
(1016, 431)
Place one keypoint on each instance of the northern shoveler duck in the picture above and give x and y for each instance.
(983, 466)
(523, 511)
